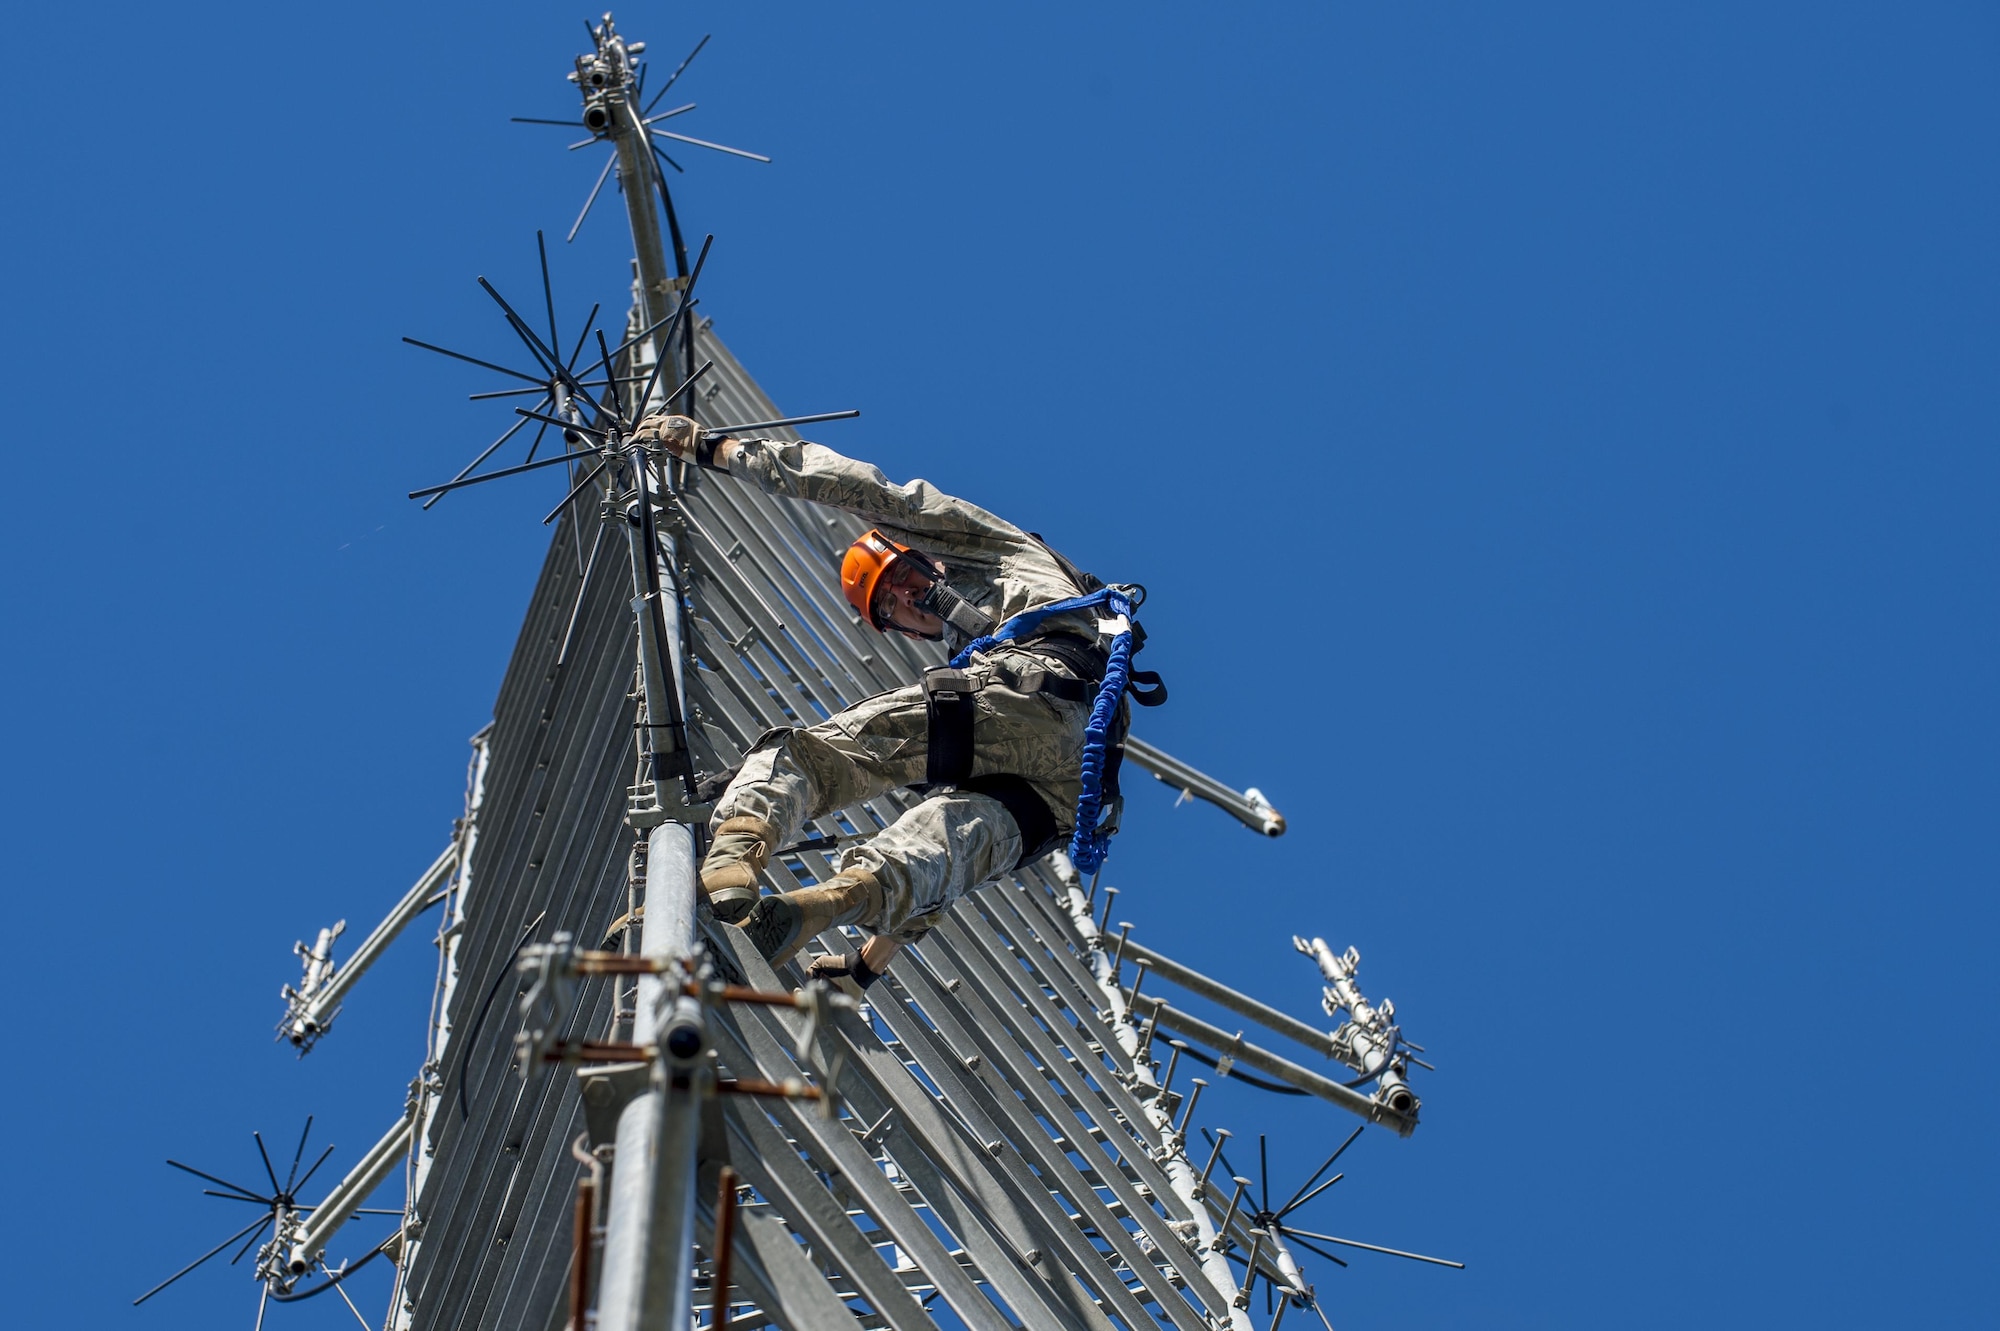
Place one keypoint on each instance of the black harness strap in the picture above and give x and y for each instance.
(1037, 680)
(1031, 813)
(1085, 659)
(948, 711)
(949, 707)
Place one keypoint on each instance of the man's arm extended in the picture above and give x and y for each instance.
(815, 472)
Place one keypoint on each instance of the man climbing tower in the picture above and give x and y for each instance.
(1014, 746)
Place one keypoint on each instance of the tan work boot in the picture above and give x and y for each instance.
(780, 925)
(741, 849)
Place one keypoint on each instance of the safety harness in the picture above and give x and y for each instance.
(1106, 676)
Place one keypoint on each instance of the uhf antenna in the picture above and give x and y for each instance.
(598, 407)
(617, 111)
(1260, 1220)
(280, 1261)
(1255, 1234)
(613, 84)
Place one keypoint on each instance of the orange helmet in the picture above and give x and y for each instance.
(861, 571)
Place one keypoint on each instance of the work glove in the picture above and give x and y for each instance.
(846, 965)
(679, 435)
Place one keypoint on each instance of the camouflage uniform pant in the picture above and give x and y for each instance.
(953, 840)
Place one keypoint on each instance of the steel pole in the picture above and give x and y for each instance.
(341, 1204)
(659, 639)
(1240, 1003)
(1400, 1116)
(1248, 807)
(649, 1225)
(314, 1009)
(635, 177)
(649, 1232)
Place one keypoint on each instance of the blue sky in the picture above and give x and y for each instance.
(1559, 443)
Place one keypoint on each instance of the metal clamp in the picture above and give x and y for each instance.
(557, 966)
(546, 1004)
(1369, 1040)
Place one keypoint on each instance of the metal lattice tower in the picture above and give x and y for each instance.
(625, 1117)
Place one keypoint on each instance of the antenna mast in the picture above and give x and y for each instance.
(612, 110)
(988, 1130)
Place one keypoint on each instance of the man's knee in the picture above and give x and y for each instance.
(935, 853)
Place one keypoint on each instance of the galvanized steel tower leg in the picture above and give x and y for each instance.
(451, 936)
(649, 1235)
(649, 1239)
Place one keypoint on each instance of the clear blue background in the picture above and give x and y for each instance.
(1560, 445)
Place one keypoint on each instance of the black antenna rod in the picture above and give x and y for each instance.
(548, 292)
(687, 304)
(234, 1187)
(494, 476)
(671, 78)
(465, 471)
(542, 353)
(1295, 1201)
(474, 360)
(557, 420)
(584, 336)
(647, 332)
(720, 430)
(610, 375)
(254, 1224)
(314, 1170)
(299, 1154)
(578, 489)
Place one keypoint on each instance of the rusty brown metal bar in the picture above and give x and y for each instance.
(579, 1266)
(606, 1051)
(791, 1088)
(587, 1190)
(736, 993)
(621, 963)
(725, 1238)
(598, 1051)
(616, 963)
